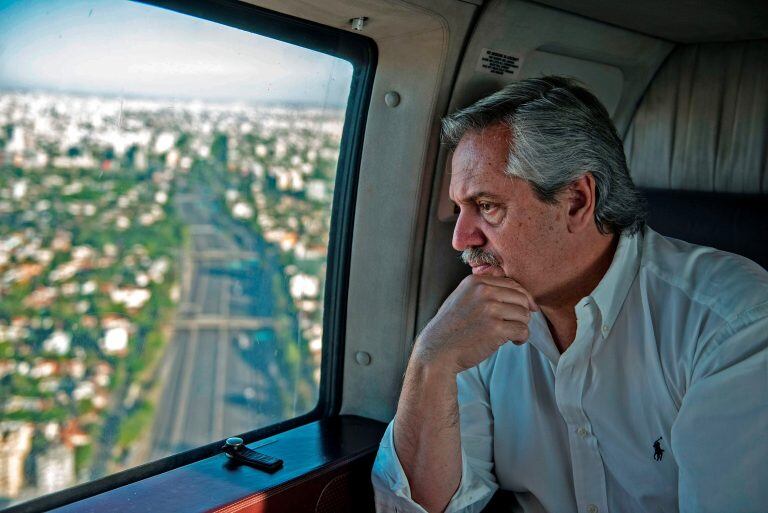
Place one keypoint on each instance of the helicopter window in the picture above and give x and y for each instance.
(167, 244)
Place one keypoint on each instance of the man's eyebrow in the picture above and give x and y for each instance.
(483, 194)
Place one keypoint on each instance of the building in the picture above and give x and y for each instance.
(55, 469)
(15, 444)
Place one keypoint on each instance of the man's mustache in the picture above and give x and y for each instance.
(477, 256)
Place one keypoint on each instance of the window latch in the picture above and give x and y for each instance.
(237, 451)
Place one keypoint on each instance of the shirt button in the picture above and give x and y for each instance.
(592, 508)
(605, 329)
(582, 432)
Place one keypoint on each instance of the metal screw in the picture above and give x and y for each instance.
(234, 443)
(358, 23)
(363, 358)
(392, 99)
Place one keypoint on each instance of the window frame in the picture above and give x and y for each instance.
(362, 53)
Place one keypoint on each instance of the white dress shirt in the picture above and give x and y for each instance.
(671, 347)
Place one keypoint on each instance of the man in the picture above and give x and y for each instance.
(637, 376)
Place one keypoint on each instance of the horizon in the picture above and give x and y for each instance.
(252, 102)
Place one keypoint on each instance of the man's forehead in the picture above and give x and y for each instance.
(479, 162)
(468, 185)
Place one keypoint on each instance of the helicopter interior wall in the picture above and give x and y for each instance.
(616, 64)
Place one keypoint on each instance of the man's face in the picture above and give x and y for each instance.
(503, 217)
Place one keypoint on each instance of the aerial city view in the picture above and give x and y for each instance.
(161, 273)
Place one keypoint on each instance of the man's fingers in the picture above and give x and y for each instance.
(510, 284)
(515, 331)
(510, 312)
(511, 296)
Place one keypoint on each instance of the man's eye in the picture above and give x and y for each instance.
(486, 208)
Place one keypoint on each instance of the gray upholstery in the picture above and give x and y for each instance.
(703, 122)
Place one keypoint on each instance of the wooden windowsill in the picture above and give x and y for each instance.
(318, 449)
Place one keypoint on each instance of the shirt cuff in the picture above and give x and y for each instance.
(393, 493)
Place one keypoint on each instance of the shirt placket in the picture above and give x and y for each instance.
(570, 378)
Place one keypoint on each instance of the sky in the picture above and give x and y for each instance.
(119, 47)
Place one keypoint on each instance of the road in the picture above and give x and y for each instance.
(218, 373)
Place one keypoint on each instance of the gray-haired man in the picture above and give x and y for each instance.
(638, 375)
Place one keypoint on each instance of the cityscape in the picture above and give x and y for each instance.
(162, 267)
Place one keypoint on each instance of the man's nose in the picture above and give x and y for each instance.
(466, 234)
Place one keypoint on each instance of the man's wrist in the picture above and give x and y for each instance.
(429, 360)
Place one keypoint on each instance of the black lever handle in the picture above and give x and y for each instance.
(235, 449)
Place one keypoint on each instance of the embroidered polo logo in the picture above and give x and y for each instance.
(658, 452)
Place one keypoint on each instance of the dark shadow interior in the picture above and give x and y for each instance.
(737, 223)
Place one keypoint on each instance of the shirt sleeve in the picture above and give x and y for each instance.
(478, 483)
(720, 436)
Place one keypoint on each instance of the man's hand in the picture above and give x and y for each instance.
(481, 315)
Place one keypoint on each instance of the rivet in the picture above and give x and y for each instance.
(363, 358)
(358, 23)
(392, 99)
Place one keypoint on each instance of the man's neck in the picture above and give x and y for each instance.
(559, 308)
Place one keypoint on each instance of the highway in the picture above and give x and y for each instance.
(219, 372)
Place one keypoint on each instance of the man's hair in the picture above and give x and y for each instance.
(559, 131)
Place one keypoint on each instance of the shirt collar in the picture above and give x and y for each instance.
(610, 293)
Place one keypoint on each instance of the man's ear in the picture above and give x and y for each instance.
(580, 198)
